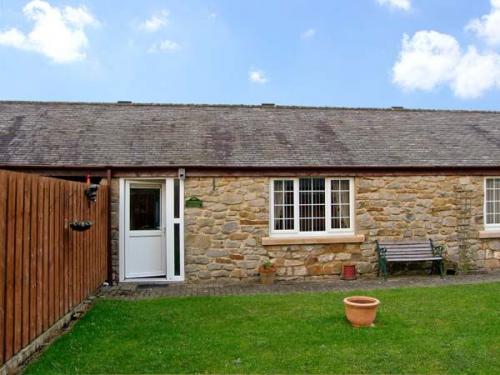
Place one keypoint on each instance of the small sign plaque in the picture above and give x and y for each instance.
(194, 202)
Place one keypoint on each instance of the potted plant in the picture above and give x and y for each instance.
(361, 310)
(267, 272)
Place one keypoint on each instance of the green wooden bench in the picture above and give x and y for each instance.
(409, 251)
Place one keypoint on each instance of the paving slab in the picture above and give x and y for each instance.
(128, 291)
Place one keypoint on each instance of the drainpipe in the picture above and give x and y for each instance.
(110, 257)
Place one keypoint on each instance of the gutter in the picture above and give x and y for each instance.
(250, 167)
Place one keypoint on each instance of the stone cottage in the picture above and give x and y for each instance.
(207, 193)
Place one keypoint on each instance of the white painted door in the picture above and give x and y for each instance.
(145, 222)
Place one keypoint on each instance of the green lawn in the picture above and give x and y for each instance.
(453, 329)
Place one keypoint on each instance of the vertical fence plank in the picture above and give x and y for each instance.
(81, 247)
(3, 254)
(74, 236)
(61, 249)
(39, 258)
(46, 249)
(67, 248)
(25, 309)
(10, 268)
(18, 285)
(51, 254)
(57, 218)
(33, 259)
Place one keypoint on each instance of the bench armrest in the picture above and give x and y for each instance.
(438, 251)
(381, 251)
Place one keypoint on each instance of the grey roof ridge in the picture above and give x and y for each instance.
(260, 106)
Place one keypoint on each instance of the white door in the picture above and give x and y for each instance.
(145, 221)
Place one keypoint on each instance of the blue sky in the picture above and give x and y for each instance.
(335, 53)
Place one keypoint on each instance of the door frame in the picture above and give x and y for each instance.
(170, 221)
(129, 184)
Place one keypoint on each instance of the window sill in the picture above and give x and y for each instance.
(296, 240)
(489, 233)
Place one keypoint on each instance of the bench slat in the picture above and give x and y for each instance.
(405, 243)
(412, 259)
(422, 253)
(407, 247)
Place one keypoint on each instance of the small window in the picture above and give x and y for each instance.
(311, 205)
(492, 203)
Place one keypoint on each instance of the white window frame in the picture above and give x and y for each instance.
(492, 227)
(328, 217)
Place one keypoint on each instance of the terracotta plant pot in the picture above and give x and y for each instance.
(361, 310)
(267, 275)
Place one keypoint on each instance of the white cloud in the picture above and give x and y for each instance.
(429, 59)
(426, 60)
(476, 73)
(257, 76)
(164, 45)
(58, 33)
(308, 34)
(488, 26)
(396, 4)
(155, 22)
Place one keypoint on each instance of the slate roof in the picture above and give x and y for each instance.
(100, 134)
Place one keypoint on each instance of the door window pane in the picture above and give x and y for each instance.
(177, 200)
(177, 249)
(145, 209)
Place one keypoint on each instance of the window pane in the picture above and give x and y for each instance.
(335, 223)
(345, 222)
(344, 197)
(278, 198)
(490, 194)
(312, 204)
(344, 185)
(340, 204)
(145, 209)
(177, 250)
(490, 219)
(283, 204)
(177, 203)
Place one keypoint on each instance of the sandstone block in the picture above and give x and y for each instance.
(343, 256)
(215, 253)
(230, 227)
(214, 266)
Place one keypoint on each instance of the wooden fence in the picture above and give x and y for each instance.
(46, 268)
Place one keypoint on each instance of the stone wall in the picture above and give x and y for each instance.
(223, 238)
